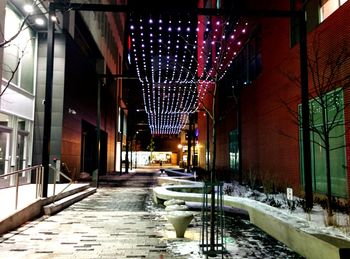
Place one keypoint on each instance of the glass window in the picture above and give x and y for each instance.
(5, 146)
(11, 52)
(4, 119)
(21, 124)
(4, 151)
(334, 104)
(233, 150)
(18, 63)
(27, 61)
(328, 7)
(247, 65)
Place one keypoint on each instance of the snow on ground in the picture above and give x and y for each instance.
(313, 222)
(243, 240)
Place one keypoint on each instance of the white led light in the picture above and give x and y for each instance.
(39, 21)
(28, 8)
(172, 79)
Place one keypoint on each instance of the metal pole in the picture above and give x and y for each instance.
(37, 182)
(98, 131)
(48, 102)
(17, 183)
(121, 117)
(208, 144)
(131, 153)
(239, 139)
(305, 112)
(189, 143)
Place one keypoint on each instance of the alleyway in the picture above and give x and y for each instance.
(113, 223)
(120, 221)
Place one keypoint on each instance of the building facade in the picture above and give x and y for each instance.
(258, 128)
(88, 51)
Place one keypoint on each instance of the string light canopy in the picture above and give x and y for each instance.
(177, 60)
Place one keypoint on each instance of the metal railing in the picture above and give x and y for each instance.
(39, 173)
(58, 172)
(26, 174)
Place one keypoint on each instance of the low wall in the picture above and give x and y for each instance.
(292, 231)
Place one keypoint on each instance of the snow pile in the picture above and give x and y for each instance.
(313, 222)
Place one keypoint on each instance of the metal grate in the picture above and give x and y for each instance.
(213, 219)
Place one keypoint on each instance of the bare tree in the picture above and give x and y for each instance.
(329, 73)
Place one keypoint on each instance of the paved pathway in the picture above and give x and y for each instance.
(113, 223)
(118, 222)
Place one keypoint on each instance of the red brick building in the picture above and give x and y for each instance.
(263, 88)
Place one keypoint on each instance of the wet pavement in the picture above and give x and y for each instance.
(120, 221)
(113, 223)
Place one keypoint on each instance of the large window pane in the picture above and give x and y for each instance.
(11, 51)
(18, 62)
(233, 150)
(334, 119)
(338, 163)
(328, 7)
(27, 61)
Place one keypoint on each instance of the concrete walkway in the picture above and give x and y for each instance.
(26, 196)
(113, 223)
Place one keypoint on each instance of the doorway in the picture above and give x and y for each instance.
(89, 148)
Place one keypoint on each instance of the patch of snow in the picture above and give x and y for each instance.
(312, 222)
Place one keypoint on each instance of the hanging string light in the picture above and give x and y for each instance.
(176, 69)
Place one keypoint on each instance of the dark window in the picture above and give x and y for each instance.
(247, 65)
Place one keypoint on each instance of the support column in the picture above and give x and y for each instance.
(305, 112)
(48, 101)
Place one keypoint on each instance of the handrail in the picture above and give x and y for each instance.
(38, 180)
(54, 184)
(20, 171)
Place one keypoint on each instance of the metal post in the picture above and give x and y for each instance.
(208, 144)
(17, 183)
(189, 143)
(239, 139)
(54, 185)
(305, 112)
(48, 102)
(121, 117)
(127, 154)
(132, 140)
(37, 182)
(98, 131)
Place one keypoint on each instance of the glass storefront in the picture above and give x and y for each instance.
(14, 143)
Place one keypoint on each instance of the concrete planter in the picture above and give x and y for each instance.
(180, 221)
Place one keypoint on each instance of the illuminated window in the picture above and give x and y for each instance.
(328, 7)
(234, 151)
(333, 107)
(18, 63)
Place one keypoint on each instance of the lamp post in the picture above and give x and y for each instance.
(180, 154)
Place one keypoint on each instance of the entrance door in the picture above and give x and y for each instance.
(89, 148)
(4, 151)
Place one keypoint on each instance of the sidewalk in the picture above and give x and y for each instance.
(26, 196)
(116, 222)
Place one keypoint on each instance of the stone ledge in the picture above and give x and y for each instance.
(33, 210)
(67, 201)
(292, 231)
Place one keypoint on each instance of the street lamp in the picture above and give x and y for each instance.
(180, 154)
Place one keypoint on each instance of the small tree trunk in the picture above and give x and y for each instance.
(328, 172)
(212, 177)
